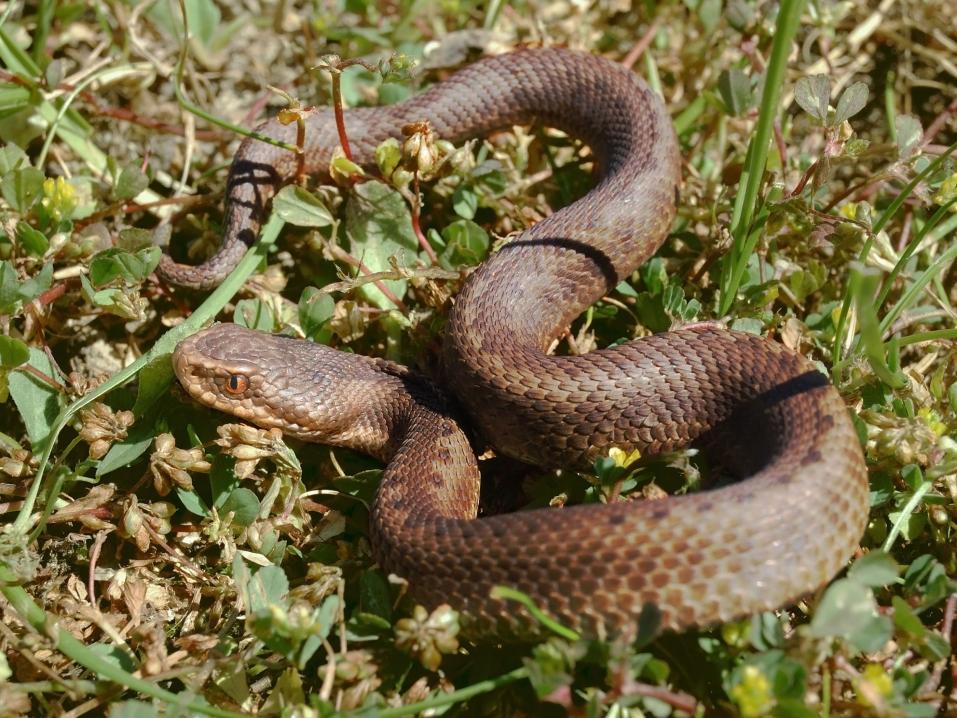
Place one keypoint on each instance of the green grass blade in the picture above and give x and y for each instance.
(744, 240)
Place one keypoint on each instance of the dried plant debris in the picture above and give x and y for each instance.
(160, 560)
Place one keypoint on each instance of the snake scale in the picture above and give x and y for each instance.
(760, 411)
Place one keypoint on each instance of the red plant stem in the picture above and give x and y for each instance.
(782, 147)
(300, 149)
(26, 368)
(52, 294)
(638, 50)
(340, 118)
(416, 226)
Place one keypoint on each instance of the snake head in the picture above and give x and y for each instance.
(217, 370)
(306, 390)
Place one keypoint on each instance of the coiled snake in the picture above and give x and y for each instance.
(757, 409)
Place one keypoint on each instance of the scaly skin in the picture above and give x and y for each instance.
(759, 410)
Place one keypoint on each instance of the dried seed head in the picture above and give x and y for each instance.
(421, 151)
(101, 426)
(427, 636)
(171, 466)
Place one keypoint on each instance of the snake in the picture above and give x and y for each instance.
(792, 500)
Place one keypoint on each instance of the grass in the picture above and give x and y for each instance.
(158, 560)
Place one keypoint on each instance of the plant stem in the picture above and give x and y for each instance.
(340, 116)
(745, 239)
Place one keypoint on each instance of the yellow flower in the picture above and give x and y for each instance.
(873, 686)
(933, 420)
(736, 634)
(622, 459)
(753, 693)
(59, 198)
(849, 210)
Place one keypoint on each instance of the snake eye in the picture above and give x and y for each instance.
(236, 384)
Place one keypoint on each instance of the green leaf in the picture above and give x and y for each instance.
(709, 12)
(388, 155)
(905, 618)
(374, 596)
(650, 310)
(851, 102)
(654, 275)
(735, 89)
(131, 182)
(22, 187)
(848, 610)
(33, 287)
(134, 239)
(9, 288)
(114, 655)
(244, 504)
(813, 94)
(740, 14)
(116, 263)
(125, 452)
(932, 645)
(875, 568)
(13, 352)
(343, 167)
(33, 240)
(911, 526)
(649, 626)
(465, 202)
(315, 311)
(192, 502)
(466, 243)
(490, 175)
(909, 135)
(204, 18)
(11, 158)
(268, 586)
(13, 99)
(379, 226)
(301, 207)
(254, 314)
(38, 401)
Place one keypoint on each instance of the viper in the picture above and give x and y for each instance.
(762, 413)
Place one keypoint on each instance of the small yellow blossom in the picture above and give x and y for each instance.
(849, 210)
(753, 694)
(59, 198)
(873, 686)
(622, 459)
(933, 420)
(736, 634)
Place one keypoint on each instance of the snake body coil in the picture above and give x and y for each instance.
(757, 409)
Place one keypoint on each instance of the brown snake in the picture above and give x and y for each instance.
(757, 409)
